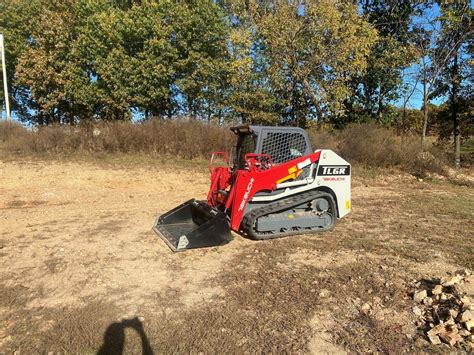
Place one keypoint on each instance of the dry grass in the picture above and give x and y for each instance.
(252, 297)
(367, 145)
(371, 145)
(180, 138)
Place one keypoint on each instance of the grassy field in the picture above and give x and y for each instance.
(81, 270)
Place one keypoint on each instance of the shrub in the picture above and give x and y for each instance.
(323, 139)
(365, 144)
(14, 136)
(184, 138)
(372, 145)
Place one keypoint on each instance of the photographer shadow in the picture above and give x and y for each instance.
(114, 337)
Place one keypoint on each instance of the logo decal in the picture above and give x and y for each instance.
(332, 170)
(246, 194)
(183, 242)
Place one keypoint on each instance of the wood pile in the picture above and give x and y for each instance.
(444, 313)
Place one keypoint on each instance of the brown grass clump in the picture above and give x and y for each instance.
(182, 138)
(368, 144)
(371, 145)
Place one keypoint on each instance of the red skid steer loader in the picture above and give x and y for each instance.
(274, 186)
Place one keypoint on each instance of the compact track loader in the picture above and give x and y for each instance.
(274, 186)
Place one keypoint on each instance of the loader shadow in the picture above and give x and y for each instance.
(114, 337)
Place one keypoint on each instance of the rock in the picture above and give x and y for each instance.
(453, 313)
(466, 301)
(438, 289)
(428, 301)
(434, 339)
(450, 321)
(447, 311)
(420, 342)
(417, 311)
(365, 308)
(450, 338)
(437, 329)
(462, 272)
(420, 296)
(467, 316)
(452, 281)
(323, 293)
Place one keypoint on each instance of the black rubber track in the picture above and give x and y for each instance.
(248, 222)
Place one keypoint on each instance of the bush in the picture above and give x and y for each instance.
(365, 144)
(14, 136)
(183, 138)
(324, 139)
(371, 145)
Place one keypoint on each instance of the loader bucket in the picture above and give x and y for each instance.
(193, 224)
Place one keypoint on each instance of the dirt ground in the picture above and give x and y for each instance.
(82, 271)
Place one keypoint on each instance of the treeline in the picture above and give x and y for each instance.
(272, 61)
(245, 60)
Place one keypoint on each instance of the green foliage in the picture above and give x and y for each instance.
(409, 120)
(442, 121)
(269, 62)
(455, 43)
(81, 59)
(17, 19)
(312, 56)
(380, 85)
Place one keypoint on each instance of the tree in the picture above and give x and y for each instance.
(250, 97)
(17, 19)
(96, 59)
(307, 52)
(200, 38)
(45, 67)
(380, 85)
(455, 42)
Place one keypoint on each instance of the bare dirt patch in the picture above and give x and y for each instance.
(82, 269)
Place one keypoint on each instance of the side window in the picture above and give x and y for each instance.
(283, 147)
(247, 145)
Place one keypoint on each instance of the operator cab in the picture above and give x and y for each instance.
(282, 144)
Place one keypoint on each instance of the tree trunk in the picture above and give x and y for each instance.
(425, 114)
(404, 115)
(380, 105)
(454, 111)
